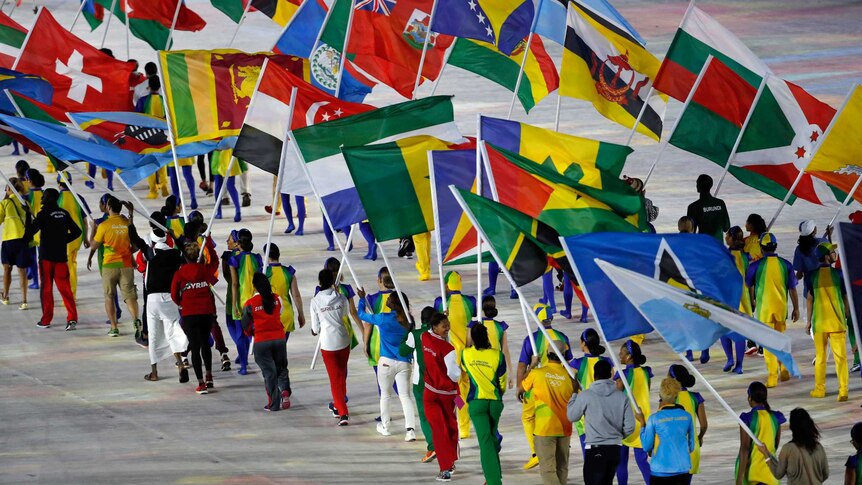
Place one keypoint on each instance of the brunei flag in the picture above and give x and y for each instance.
(520, 185)
(260, 140)
(607, 66)
(526, 247)
(392, 182)
(838, 159)
(616, 194)
(457, 236)
(208, 92)
(589, 162)
(540, 75)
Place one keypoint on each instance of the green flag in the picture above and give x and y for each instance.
(231, 8)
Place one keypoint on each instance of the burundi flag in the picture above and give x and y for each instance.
(520, 184)
(614, 193)
(589, 162)
(392, 182)
(320, 147)
(608, 67)
(12, 37)
(838, 159)
(698, 37)
(523, 245)
(502, 23)
(208, 92)
(540, 75)
(551, 18)
(261, 137)
(455, 232)
(232, 8)
(692, 321)
(687, 261)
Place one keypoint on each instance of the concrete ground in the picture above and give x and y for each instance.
(74, 407)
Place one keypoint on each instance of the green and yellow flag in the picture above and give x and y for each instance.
(393, 185)
(208, 92)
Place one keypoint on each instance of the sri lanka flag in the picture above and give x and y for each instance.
(504, 23)
(455, 231)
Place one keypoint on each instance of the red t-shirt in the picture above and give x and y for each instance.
(435, 350)
(265, 326)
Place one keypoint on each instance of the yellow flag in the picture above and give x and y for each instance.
(838, 160)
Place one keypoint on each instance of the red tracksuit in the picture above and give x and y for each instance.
(439, 399)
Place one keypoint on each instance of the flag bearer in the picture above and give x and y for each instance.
(827, 315)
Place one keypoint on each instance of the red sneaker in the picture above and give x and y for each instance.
(202, 389)
(285, 399)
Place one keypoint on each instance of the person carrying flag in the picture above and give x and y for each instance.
(735, 243)
(412, 345)
(529, 360)
(14, 250)
(150, 102)
(34, 199)
(370, 333)
(585, 371)
(771, 279)
(827, 316)
(460, 309)
(68, 203)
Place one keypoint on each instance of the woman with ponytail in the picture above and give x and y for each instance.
(638, 377)
(751, 466)
(261, 319)
(243, 264)
(735, 241)
(496, 333)
(693, 403)
(592, 348)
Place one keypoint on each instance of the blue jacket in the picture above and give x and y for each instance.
(674, 429)
(391, 332)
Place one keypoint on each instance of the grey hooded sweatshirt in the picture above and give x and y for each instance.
(606, 411)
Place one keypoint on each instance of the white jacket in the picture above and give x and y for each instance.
(329, 312)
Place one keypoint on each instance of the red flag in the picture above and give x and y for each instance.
(11, 37)
(387, 38)
(84, 79)
(163, 11)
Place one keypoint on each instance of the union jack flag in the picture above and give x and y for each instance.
(377, 6)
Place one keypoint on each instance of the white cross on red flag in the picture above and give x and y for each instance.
(84, 78)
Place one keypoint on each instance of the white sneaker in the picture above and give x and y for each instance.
(410, 436)
(383, 430)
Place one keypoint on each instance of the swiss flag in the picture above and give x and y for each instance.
(163, 11)
(84, 78)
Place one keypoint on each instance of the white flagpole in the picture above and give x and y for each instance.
(220, 194)
(442, 69)
(394, 280)
(77, 197)
(438, 244)
(343, 59)
(601, 331)
(425, 51)
(239, 24)
(847, 200)
(170, 128)
(478, 239)
(77, 15)
(278, 178)
(128, 20)
(3, 5)
(640, 115)
(15, 193)
(26, 40)
(521, 72)
(14, 6)
(557, 114)
(854, 318)
(108, 23)
(98, 184)
(741, 133)
(813, 154)
(688, 99)
(322, 26)
(171, 36)
(342, 249)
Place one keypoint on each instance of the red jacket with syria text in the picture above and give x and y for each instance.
(190, 288)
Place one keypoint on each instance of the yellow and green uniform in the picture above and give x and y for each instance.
(584, 374)
(551, 389)
(751, 247)
(68, 203)
(246, 264)
(691, 401)
(765, 425)
(528, 408)
(638, 378)
(742, 261)
(461, 310)
(772, 278)
(378, 305)
(12, 216)
(825, 287)
(496, 331)
(35, 201)
(113, 233)
(153, 105)
(422, 243)
(854, 462)
(219, 161)
(486, 372)
(281, 278)
(177, 225)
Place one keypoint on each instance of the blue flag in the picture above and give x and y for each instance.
(551, 18)
(687, 261)
(34, 87)
(504, 24)
(300, 34)
(850, 248)
(692, 321)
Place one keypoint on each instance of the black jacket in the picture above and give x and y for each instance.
(58, 229)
